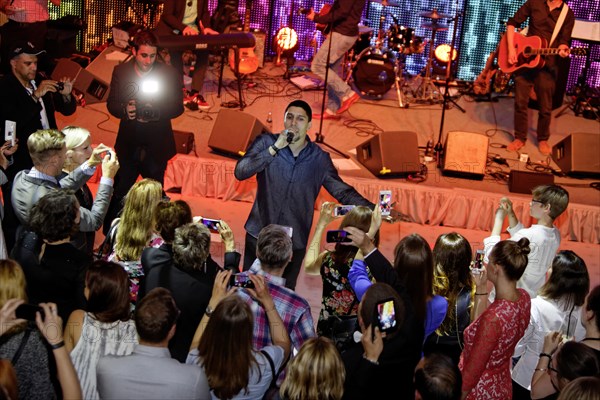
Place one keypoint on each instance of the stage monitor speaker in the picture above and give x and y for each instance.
(102, 66)
(465, 155)
(93, 82)
(577, 154)
(524, 181)
(234, 131)
(390, 154)
(93, 89)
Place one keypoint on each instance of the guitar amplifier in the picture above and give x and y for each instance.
(261, 37)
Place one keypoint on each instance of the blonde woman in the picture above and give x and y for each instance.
(317, 372)
(134, 230)
(32, 364)
(79, 149)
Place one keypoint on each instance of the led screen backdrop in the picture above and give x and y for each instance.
(479, 25)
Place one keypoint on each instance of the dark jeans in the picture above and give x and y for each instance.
(292, 270)
(199, 68)
(543, 81)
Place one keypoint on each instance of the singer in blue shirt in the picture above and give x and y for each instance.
(290, 170)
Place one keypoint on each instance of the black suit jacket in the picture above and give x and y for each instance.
(16, 104)
(172, 17)
(190, 289)
(400, 355)
(155, 137)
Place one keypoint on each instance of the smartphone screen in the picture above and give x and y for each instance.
(478, 259)
(340, 211)
(28, 311)
(241, 280)
(10, 128)
(211, 224)
(385, 202)
(386, 315)
(337, 236)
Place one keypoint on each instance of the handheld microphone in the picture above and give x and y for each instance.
(290, 136)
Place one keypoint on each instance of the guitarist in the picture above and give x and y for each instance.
(342, 20)
(543, 16)
(188, 17)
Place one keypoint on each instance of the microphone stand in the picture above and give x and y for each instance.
(319, 138)
(439, 148)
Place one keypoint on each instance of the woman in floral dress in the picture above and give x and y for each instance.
(491, 339)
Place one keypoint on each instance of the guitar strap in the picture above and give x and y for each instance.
(559, 22)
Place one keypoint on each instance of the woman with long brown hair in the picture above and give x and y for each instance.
(105, 327)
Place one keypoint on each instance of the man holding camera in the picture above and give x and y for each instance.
(145, 95)
(29, 100)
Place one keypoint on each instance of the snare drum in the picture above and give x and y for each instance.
(374, 73)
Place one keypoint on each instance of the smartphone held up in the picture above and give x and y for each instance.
(337, 236)
(477, 264)
(385, 202)
(241, 280)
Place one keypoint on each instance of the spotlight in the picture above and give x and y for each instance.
(286, 40)
(285, 43)
(442, 53)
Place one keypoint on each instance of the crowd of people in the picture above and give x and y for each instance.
(150, 314)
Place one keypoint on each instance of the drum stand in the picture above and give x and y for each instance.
(427, 91)
(402, 101)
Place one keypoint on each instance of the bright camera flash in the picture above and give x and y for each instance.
(150, 86)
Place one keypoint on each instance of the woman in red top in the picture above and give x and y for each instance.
(491, 339)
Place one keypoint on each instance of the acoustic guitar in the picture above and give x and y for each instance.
(530, 50)
(248, 59)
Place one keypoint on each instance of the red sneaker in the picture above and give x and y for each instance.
(346, 104)
(328, 115)
(516, 145)
(544, 147)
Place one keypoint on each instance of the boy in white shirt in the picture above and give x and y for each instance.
(549, 201)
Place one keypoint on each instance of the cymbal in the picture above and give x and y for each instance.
(434, 15)
(435, 26)
(386, 3)
(364, 29)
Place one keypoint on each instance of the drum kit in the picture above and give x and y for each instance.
(375, 69)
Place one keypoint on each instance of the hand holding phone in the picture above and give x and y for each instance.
(211, 224)
(340, 211)
(241, 280)
(10, 129)
(477, 264)
(385, 202)
(337, 236)
(28, 311)
(385, 315)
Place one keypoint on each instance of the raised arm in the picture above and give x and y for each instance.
(51, 328)
(314, 256)
(279, 333)
(256, 159)
(218, 293)
(541, 383)
(232, 257)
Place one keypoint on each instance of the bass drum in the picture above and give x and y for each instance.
(373, 73)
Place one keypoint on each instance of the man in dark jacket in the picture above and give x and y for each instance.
(145, 96)
(30, 101)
